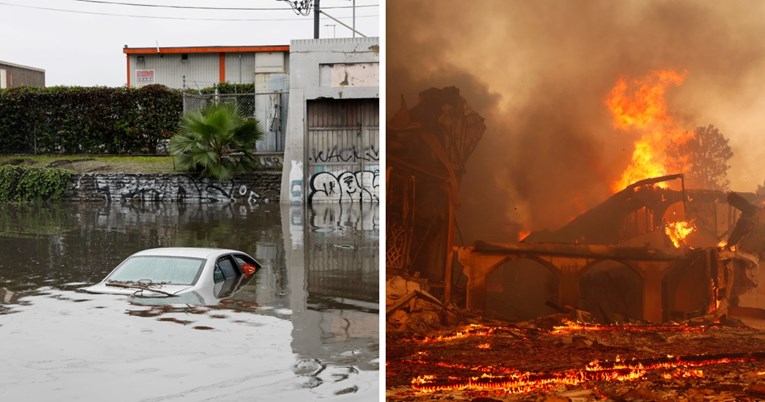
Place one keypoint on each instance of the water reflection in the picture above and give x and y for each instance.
(306, 325)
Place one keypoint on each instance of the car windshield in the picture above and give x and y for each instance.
(159, 269)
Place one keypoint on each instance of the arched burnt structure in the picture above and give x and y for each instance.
(611, 288)
(572, 262)
(621, 259)
(521, 289)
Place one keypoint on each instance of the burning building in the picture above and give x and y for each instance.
(628, 300)
(632, 257)
(648, 252)
(576, 231)
(618, 278)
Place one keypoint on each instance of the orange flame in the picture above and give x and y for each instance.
(640, 105)
(678, 231)
(645, 105)
(523, 234)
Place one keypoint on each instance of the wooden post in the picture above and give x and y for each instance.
(449, 251)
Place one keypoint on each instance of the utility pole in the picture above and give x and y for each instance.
(316, 12)
(303, 7)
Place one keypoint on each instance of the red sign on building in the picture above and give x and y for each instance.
(144, 77)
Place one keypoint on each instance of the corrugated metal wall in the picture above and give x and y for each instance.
(202, 70)
(342, 150)
(198, 71)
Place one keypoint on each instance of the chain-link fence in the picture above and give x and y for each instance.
(269, 108)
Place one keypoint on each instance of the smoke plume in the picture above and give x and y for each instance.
(539, 73)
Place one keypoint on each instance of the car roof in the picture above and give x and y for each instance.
(194, 252)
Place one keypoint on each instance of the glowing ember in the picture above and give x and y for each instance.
(678, 231)
(640, 105)
(570, 326)
(470, 331)
(618, 370)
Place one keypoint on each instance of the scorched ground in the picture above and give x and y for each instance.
(556, 359)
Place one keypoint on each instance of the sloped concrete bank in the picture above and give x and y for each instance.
(251, 188)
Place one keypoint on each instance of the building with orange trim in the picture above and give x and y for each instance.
(317, 101)
(199, 67)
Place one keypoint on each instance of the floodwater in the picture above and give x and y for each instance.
(306, 327)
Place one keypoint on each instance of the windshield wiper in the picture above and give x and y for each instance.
(139, 286)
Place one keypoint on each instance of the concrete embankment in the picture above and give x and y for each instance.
(258, 187)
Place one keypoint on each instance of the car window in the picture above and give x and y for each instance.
(227, 267)
(159, 269)
(218, 274)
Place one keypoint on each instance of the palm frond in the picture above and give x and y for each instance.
(207, 136)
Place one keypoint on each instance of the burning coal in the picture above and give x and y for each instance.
(616, 370)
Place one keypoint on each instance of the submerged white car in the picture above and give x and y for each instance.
(190, 275)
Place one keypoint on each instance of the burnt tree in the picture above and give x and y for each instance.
(706, 155)
(428, 146)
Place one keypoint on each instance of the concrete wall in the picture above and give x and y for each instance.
(14, 76)
(345, 68)
(251, 188)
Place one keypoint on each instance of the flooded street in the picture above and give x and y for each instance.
(306, 327)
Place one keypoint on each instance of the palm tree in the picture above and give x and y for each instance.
(216, 142)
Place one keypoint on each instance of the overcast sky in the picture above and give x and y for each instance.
(80, 42)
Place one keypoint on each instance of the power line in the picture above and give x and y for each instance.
(162, 18)
(211, 8)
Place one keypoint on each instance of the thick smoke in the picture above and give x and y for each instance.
(539, 72)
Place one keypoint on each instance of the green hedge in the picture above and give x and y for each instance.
(226, 88)
(76, 120)
(29, 183)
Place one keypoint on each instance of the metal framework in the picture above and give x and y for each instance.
(300, 7)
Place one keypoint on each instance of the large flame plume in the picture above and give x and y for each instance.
(639, 105)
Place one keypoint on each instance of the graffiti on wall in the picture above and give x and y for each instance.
(351, 154)
(155, 188)
(345, 186)
(270, 161)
